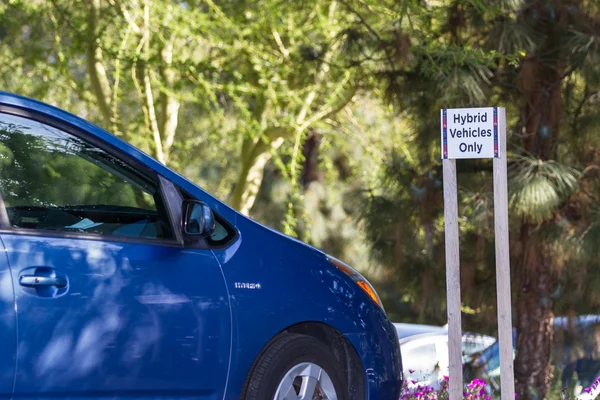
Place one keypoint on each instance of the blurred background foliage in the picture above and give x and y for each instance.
(320, 118)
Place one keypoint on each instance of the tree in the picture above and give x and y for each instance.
(538, 59)
(280, 71)
(275, 74)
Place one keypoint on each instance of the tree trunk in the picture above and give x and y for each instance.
(310, 170)
(534, 318)
(95, 65)
(255, 155)
(144, 69)
(541, 116)
(169, 104)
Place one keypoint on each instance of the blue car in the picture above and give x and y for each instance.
(123, 280)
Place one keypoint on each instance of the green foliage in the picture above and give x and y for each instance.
(538, 187)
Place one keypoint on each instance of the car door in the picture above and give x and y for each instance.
(8, 344)
(110, 302)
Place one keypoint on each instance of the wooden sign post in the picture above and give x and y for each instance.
(476, 133)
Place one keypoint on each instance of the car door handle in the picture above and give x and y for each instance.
(36, 281)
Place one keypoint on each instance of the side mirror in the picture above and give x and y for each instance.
(198, 220)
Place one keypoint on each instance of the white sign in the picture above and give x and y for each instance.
(477, 133)
(470, 133)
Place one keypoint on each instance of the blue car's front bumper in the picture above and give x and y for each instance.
(379, 352)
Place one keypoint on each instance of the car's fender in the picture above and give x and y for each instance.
(275, 283)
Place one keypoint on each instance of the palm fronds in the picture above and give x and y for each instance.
(538, 187)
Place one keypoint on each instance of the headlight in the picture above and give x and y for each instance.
(360, 280)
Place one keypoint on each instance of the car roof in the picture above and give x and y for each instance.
(406, 330)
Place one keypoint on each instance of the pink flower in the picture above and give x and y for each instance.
(476, 384)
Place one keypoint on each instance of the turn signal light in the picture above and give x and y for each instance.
(368, 290)
(360, 280)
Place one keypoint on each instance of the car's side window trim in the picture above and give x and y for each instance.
(173, 201)
(140, 168)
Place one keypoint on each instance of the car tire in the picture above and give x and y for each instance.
(296, 358)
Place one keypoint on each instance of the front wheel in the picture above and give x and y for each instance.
(296, 367)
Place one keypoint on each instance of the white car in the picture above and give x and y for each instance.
(424, 351)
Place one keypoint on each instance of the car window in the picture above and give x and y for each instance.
(223, 234)
(421, 360)
(51, 180)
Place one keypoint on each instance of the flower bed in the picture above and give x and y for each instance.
(476, 391)
(473, 391)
